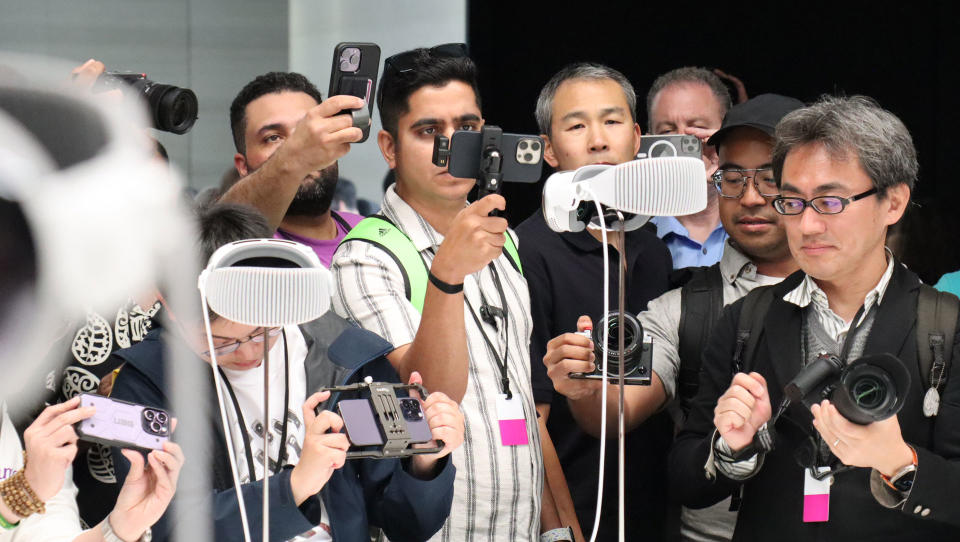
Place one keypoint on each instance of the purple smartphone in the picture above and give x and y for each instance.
(124, 425)
(363, 430)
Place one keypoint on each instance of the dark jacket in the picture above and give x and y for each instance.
(773, 499)
(363, 492)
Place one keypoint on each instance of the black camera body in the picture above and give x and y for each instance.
(637, 356)
(172, 109)
(867, 390)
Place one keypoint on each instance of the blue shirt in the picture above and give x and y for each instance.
(950, 283)
(685, 251)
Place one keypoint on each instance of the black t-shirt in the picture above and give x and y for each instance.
(565, 274)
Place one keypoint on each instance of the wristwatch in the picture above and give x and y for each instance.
(902, 481)
(564, 534)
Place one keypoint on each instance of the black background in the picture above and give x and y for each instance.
(904, 55)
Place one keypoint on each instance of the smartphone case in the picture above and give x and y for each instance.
(465, 156)
(124, 425)
(661, 146)
(356, 77)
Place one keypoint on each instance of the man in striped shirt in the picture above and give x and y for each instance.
(471, 338)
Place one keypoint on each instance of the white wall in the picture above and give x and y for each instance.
(316, 26)
(211, 46)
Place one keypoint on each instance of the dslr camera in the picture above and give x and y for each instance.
(867, 390)
(637, 355)
(172, 109)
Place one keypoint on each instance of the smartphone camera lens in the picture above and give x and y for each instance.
(161, 417)
(411, 409)
(523, 145)
(148, 414)
(535, 146)
(156, 427)
(528, 157)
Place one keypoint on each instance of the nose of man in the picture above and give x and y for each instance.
(811, 222)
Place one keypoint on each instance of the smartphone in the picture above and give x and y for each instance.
(124, 425)
(522, 156)
(354, 73)
(661, 146)
(362, 428)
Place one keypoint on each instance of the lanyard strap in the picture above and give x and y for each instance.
(501, 362)
(282, 453)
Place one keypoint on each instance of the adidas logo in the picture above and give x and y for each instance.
(383, 232)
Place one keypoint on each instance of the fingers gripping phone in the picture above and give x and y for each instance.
(354, 73)
(124, 425)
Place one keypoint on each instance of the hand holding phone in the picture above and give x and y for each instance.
(324, 449)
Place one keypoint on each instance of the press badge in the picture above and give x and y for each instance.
(816, 496)
(513, 425)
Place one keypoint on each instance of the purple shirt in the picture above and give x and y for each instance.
(324, 247)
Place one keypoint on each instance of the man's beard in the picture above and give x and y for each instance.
(315, 194)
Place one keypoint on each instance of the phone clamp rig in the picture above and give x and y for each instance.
(490, 176)
(393, 426)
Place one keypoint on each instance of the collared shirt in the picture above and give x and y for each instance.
(662, 321)
(685, 251)
(809, 293)
(498, 488)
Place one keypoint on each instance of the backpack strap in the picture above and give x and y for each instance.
(381, 232)
(937, 314)
(701, 303)
(750, 327)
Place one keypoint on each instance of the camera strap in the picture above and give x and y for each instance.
(282, 452)
(500, 361)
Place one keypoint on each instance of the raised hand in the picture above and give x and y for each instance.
(324, 449)
(51, 444)
(742, 409)
(572, 353)
(473, 240)
(446, 424)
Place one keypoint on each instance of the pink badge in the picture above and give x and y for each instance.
(816, 497)
(513, 425)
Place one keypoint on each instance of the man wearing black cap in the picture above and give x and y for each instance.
(681, 319)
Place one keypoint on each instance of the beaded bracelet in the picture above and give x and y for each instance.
(19, 496)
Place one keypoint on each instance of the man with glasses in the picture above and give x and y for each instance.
(314, 491)
(845, 168)
(680, 320)
(468, 335)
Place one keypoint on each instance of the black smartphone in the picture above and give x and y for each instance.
(124, 425)
(522, 156)
(660, 146)
(354, 73)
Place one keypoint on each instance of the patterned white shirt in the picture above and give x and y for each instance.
(498, 488)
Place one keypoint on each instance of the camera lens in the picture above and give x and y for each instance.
(632, 334)
(156, 427)
(868, 392)
(162, 417)
(528, 157)
(523, 145)
(148, 414)
(174, 109)
(535, 146)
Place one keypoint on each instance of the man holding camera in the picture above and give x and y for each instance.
(469, 333)
(288, 143)
(586, 114)
(845, 168)
(690, 101)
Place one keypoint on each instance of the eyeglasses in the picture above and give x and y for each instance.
(825, 205)
(230, 348)
(732, 183)
(405, 62)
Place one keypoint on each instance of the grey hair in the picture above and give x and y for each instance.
(851, 127)
(581, 70)
(689, 75)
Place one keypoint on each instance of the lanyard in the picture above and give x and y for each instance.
(501, 362)
(282, 453)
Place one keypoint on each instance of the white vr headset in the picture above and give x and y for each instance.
(669, 186)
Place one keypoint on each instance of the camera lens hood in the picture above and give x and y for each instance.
(872, 388)
(633, 337)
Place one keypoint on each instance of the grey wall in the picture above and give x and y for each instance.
(316, 26)
(211, 46)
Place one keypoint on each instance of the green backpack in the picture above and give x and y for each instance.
(378, 230)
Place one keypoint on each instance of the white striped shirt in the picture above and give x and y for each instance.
(498, 488)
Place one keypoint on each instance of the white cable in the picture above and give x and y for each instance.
(227, 428)
(606, 338)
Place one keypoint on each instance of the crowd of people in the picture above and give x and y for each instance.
(788, 262)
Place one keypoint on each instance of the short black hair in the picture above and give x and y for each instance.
(265, 84)
(224, 223)
(426, 69)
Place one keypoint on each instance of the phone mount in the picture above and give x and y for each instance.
(393, 425)
(490, 171)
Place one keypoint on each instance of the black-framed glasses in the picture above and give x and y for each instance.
(230, 348)
(405, 62)
(825, 205)
(732, 183)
